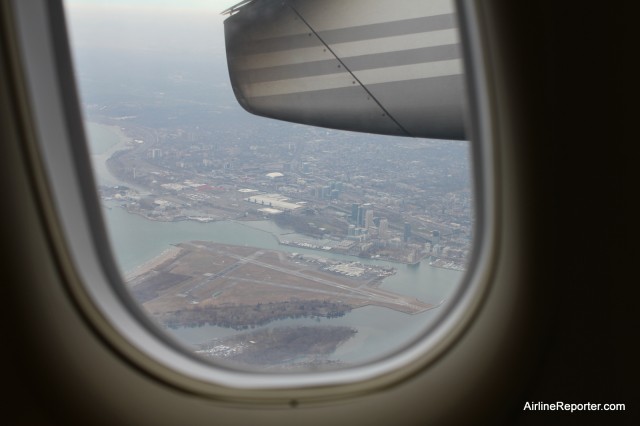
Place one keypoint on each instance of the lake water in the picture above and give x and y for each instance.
(135, 240)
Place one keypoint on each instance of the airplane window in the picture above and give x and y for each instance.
(267, 245)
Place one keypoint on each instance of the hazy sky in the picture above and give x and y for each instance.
(217, 5)
(150, 25)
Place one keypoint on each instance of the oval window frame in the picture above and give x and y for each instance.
(79, 238)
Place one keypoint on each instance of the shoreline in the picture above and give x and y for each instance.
(277, 238)
(99, 160)
(166, 255)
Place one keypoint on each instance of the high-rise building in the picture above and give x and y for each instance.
(354, 213)
(407, 231)
(383, 230)
(368, 219)
(435, 237)
(361, 212)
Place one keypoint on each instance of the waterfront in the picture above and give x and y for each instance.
(136, 240)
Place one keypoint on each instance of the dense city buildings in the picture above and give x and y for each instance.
(193, 154)
(399, 199)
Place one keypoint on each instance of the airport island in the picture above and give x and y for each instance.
(200, 283)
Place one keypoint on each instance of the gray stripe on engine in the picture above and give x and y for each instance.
(357, 33)
(356, 63)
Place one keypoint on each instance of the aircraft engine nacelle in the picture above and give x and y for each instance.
(387, 67)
